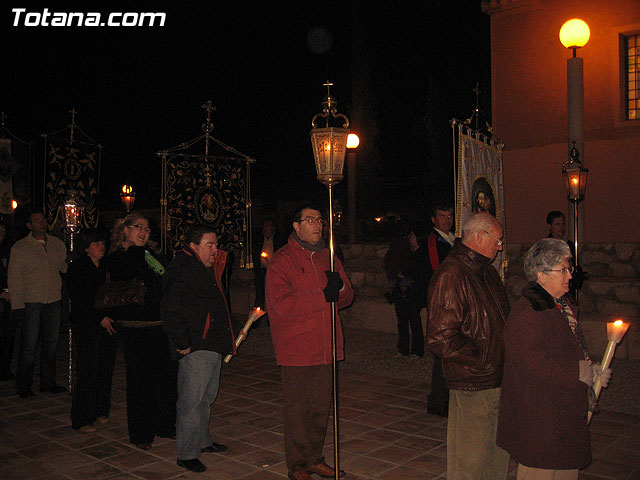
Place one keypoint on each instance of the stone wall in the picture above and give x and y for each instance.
(611, 291)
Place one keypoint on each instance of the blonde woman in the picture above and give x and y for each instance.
(150, 372)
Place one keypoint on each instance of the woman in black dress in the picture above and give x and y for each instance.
(150, 371)
(93, 336)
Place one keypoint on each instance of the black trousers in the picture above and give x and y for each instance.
(95, 355)
(409, 326)
(151, 383)
(439, 396)
(8, 324)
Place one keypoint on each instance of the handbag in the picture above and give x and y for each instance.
(120, 293)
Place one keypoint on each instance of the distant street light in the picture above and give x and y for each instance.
(352, 143)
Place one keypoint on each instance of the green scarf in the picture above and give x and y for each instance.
(153, 263)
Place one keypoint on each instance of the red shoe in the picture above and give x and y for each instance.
(325, 470)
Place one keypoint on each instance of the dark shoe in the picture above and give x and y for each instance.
(26, 393)
(193, 465)
(214, 448)
(324, 470)
(301, 475)
(54, 389)
(439, 411)
(143, 446)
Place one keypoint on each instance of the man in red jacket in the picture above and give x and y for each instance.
(299, 289)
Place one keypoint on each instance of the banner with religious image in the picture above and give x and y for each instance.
(71, 166)
(479, 184)
(201, 191)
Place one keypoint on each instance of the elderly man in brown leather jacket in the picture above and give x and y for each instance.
(467, 307)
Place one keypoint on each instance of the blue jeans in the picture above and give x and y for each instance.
(198, 382)
(43, 320)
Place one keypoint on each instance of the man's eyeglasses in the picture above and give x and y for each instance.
(563, 271)
(144, 228)
(311, 221)
(498, 240)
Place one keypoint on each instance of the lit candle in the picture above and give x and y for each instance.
(264, 254)
(255, 314)
(615, 332)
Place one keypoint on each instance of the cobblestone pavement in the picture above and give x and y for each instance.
(385, 432)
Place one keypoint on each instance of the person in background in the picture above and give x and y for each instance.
(438, 245)
(93, 335)
(7, 321)
(556, 226)
(151, 374)
(35, 291)
(542, 420)
(266, 243)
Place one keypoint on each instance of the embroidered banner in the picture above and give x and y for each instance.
(212, 193)
(71, 167)
(479, 185)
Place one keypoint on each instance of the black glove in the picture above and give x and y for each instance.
(334, 284)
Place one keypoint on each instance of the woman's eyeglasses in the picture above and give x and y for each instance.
(563, 271)
(144, 228)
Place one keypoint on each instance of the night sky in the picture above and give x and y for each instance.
(139, 89)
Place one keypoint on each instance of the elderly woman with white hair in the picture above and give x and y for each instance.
(548, 374)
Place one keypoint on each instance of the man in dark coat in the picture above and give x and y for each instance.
(439, 243)
(196, 319)
(467, 309)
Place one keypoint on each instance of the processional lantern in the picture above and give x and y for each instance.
(329, 143)
(72, 215)
(575, 176)
(329, 149)
(128, 197)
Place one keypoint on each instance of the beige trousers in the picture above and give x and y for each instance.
(472, 453)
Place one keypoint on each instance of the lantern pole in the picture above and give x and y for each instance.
(329, 148)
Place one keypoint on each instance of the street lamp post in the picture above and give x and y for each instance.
(352, 143)
(329, 148)
(575, 34)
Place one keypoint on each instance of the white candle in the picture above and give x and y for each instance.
(255, 314)
(615, 332)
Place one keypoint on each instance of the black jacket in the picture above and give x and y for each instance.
(128, 265)
(194, 309)
(83, 280)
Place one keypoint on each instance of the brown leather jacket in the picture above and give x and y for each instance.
(467, 308)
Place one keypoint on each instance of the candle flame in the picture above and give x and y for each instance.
(264, 255)
(617, 323)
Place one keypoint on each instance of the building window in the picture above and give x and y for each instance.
(632, 76)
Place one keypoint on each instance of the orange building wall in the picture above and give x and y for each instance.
(529, 94)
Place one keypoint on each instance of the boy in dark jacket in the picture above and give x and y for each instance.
(196, 318)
